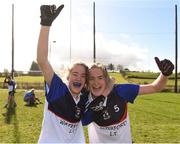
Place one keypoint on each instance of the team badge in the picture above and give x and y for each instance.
(78, 112)
(106, 115)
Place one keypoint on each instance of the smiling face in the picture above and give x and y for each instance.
(77, 78)
(97, 81)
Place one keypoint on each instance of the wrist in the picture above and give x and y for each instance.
(45, 27)
(165, 75)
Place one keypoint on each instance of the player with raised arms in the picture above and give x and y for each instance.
(64, 103)
(107, 116)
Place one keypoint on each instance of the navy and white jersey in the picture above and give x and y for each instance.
(61, 123)
(108, 116)
(11, 85)
(28, 95)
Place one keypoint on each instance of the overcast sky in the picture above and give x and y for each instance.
(128, 32)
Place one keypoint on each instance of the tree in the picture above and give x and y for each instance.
(110, 67)
(34, 70)
(6, 72)
(34, 66)
(119, 67)
(126, 69)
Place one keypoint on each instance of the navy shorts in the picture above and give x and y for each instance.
(11, 93)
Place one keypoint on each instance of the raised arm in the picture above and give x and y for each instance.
(166, 67)
(42, 54)
(48, 14)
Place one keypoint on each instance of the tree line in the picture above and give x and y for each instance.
(33, 71)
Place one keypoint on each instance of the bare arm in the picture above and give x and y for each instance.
(42, 54)
(158, 85)
(166, 67)
(48, 15)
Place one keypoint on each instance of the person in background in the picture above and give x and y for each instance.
(30, 98)
(12, 89)
(65, 102)
(107, 116)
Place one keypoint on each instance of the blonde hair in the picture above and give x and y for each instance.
(104, 71)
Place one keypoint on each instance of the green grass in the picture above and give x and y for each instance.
(118, 77)
(147, 77)
(132, 77)
(30, 79)
(146, 81)
(23, 124)
(154, 118)
(142, 74)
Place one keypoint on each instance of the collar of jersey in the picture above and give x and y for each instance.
(76, 98)
(91, 98)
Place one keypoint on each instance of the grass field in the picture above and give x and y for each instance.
(24, 123)
(154, 118)
(30, 79)
(147, 77)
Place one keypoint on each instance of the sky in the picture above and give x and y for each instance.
(128, 32)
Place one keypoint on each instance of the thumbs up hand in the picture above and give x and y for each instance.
(49, 13)
(165, 66)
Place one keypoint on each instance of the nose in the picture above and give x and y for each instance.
(95, 82)
(78, 78)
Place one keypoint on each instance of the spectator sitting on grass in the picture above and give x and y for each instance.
(30, 98)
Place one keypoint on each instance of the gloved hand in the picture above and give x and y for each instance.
(49, 13)
(165, 66)
(97, 104)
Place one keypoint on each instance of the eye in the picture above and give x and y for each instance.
(75, 74)
(83, 76)
(100, 77)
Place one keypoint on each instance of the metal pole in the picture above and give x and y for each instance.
(94, 32)
(50, 47)
(12, 70)
(176, 49)
(70, 34)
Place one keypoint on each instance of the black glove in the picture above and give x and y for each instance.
(49, 13)
(97, 104)
(165, 66)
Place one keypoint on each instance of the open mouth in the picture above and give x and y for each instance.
(96, 89)
(77, 84)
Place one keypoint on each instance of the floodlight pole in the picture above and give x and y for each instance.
(12, 69)
(50, 47)
(176, 50)
(70, 16)
(94, 32)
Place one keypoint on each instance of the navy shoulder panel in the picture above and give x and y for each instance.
(127, 91)
(61, 102)
(57, 89)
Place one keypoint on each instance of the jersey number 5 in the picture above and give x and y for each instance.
(116, 108)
